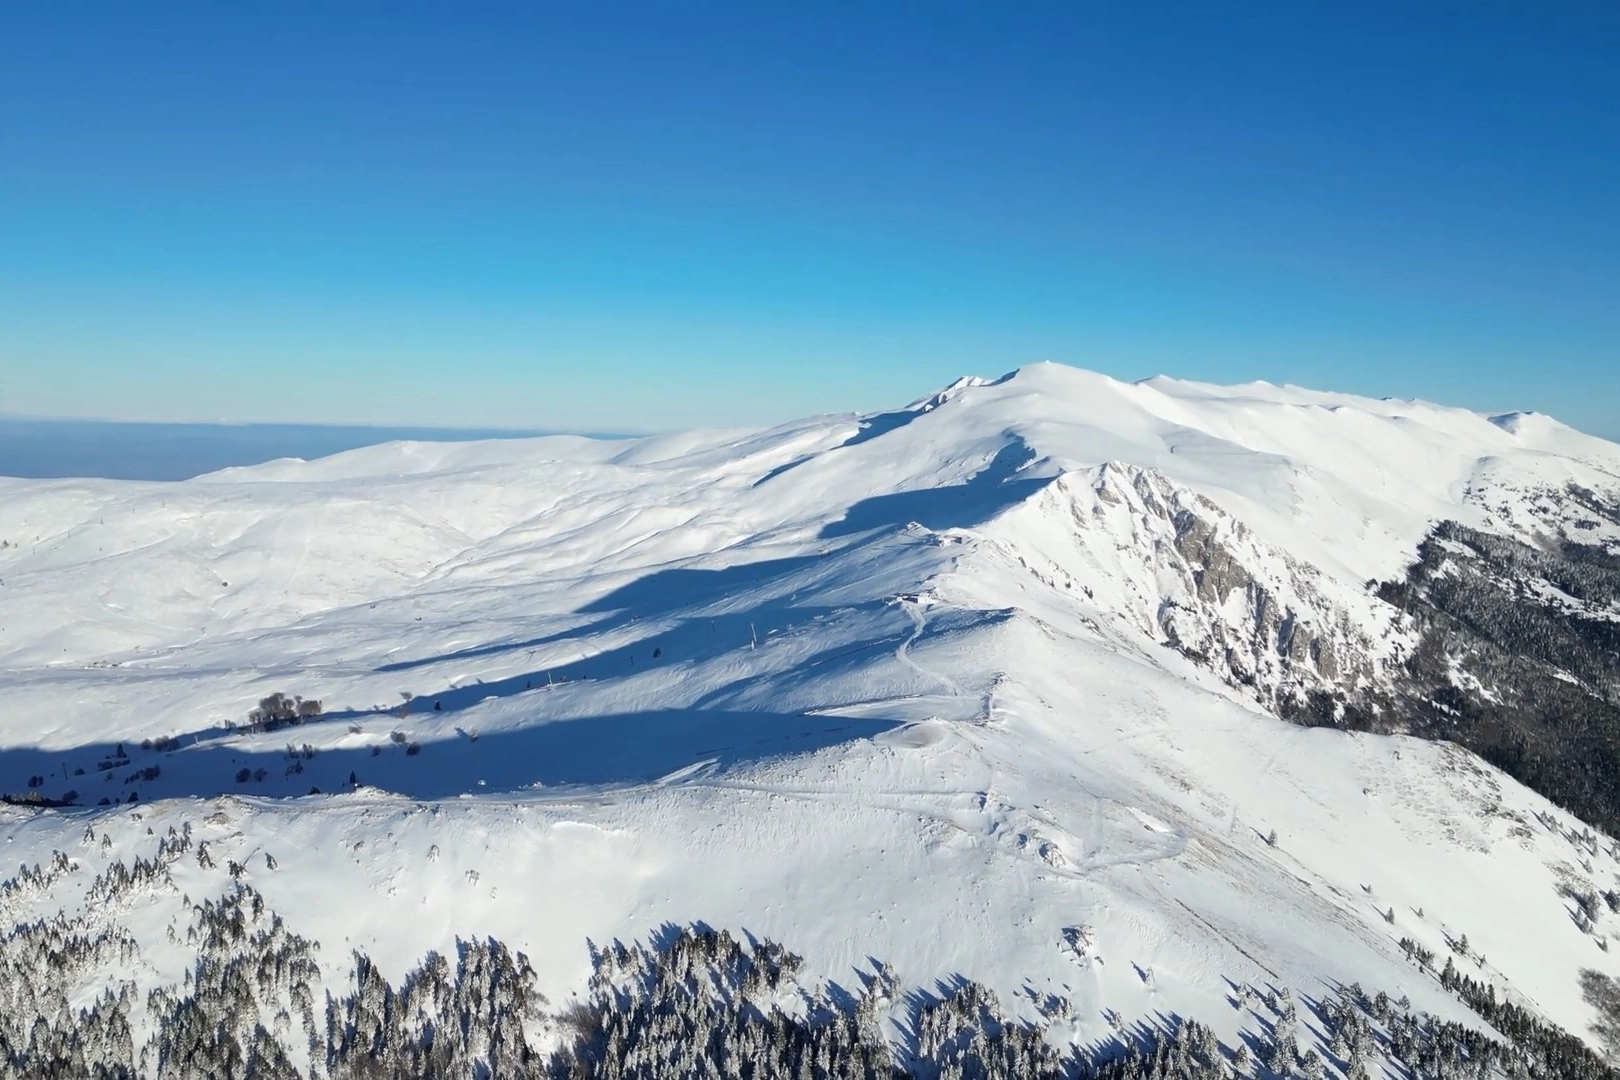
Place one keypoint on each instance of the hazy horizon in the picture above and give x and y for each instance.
(56, 448)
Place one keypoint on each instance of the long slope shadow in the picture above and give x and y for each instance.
(958, 506)
(618, 749)
(663, 591)
(625, 748)
(649, 596)
(871, 427)
(993, 488)
(687, 641)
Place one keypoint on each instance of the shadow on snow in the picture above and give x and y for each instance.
(623, 748)
(650, 596)
(989, 491)
(617, 749)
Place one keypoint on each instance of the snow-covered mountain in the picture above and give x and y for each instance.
(1116, 700)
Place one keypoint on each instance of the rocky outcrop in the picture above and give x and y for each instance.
(1199, 581)
(1504, 639)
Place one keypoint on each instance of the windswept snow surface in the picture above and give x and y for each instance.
(893, 686)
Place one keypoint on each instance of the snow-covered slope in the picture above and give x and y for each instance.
(984, 687)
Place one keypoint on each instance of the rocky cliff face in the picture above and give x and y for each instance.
(1504, 639)
(1195, 579)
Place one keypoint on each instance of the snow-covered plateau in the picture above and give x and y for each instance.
(1133, 704)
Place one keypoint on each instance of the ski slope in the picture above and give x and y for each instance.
(891, 687)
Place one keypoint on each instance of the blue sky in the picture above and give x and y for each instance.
(619, 216)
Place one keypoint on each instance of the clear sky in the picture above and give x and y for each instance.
(620, 216)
